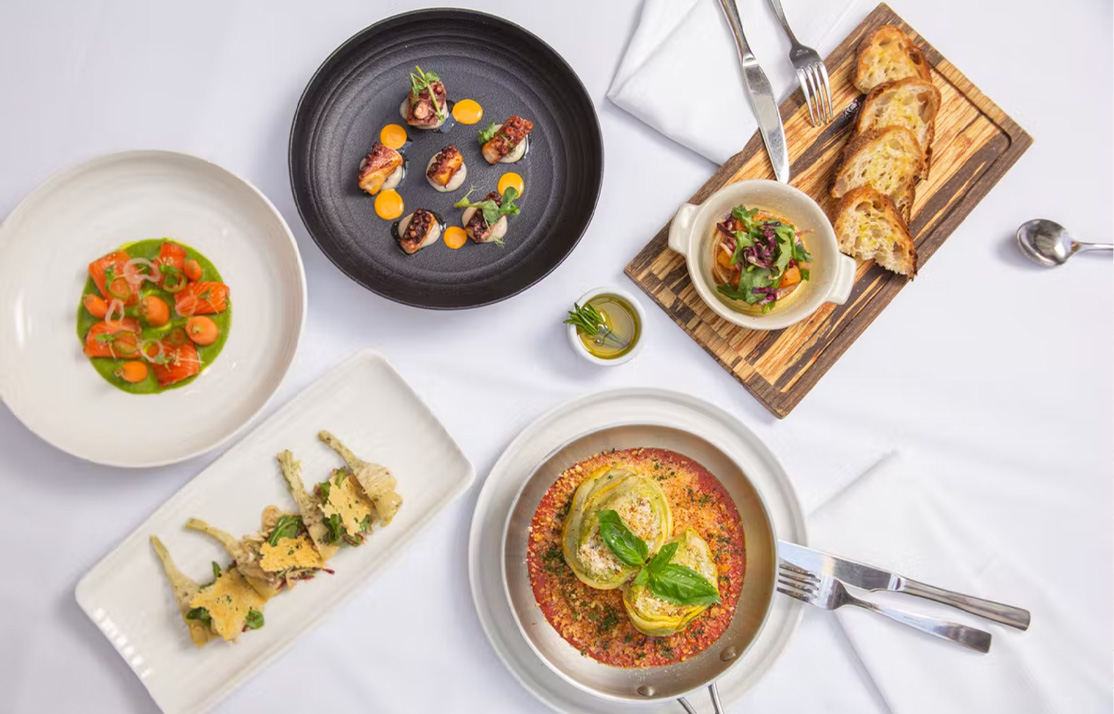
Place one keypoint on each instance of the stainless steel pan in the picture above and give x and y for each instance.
(657, 683)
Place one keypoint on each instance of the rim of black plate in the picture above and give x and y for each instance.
(486, 17)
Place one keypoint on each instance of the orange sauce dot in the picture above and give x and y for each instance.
(467, 111)
(393, 136)
(389, 205)
(511, 180)
(455, 237)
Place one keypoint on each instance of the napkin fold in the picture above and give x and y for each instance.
(681, 73)
(892, 517)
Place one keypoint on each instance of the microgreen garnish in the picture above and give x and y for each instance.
(424, 80)
(488, 133)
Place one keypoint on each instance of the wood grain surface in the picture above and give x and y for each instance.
(975, 144)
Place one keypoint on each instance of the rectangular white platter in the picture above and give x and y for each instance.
(369, 407)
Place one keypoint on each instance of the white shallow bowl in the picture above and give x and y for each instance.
(578, 346)
(575, 419)
(85, 211)
(832, 273)
(369, 406)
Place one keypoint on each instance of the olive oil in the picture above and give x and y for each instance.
(623, 328)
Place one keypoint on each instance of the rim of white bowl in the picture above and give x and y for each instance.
(60, 175)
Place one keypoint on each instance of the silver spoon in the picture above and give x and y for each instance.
(1050, 244)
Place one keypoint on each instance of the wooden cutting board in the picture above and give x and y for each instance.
(975, 144)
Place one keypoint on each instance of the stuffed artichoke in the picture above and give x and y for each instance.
(639, 503)
(658, 616)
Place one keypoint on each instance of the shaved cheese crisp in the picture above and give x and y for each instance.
(229, 600)
(347, 500)
(290, 553)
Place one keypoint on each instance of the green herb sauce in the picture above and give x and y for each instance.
(106, 366)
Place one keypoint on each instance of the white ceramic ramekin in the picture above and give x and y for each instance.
(580, 349)
(832, 273)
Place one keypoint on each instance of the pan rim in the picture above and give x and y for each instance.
(553, 667)
(595, 137)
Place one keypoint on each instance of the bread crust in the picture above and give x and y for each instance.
(880, 202)
(918, 66)
(860, 142)
(934, 99)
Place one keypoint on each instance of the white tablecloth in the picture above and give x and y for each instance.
(995, 374)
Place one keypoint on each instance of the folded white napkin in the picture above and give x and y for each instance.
(681, 74)
(892, 517)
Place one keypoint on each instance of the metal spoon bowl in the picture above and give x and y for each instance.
(1048, 243)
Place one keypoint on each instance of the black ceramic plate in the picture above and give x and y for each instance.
(508, 71)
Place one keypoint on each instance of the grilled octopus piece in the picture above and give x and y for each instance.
(510, 135)
(422, 113)
(380, 163)
(445, 165)
(419, 232)
(477, 228)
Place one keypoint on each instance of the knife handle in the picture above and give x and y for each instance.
(996, 611)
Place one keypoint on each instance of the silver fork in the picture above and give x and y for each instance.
(812, 75)
(828, 593)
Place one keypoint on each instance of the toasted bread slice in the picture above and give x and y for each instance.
(886, 55)
(889, 160)
(869, 227)
(911, 102)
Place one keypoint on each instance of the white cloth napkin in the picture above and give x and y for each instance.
(681, 74)
(893, 518)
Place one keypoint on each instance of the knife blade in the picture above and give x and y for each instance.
(760, 95)
(871, 578)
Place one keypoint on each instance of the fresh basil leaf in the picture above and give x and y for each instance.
(662, 558)
(254, 620)
(627, 547)
(216, 570)
(642, 578)
(488, 133)
(681, 585)
(200, 614)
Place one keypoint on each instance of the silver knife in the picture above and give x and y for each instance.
(869, 577)
(761, 96)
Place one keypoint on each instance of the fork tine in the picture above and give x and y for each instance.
(788, 568)
(827, 90)
(803, 81)
(795, 594)
(800, 588)
(814, 85)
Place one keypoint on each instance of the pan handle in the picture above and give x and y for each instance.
(716, 705)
